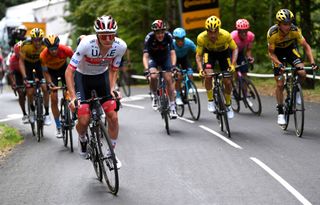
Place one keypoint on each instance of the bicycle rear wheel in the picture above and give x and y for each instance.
(193, 101)
(298, 110)
(31, 123)
(125, 83)
(94, 156)
(235, 97)
(107, 159)
(252, 97)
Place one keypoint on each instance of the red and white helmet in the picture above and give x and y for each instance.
(105, 24)
(242, 24)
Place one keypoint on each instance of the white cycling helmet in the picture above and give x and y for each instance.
(105, 24)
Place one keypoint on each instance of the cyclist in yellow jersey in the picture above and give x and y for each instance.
(282, 39)
(29, 60)
(213, 45)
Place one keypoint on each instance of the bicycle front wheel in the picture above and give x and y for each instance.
(193, 101)
(223, 114)
(235, 97)
(125, 83)
(164, 109)
(252, 97)
(39, 116)
(298, 110)
(287, 108)
(107, 159)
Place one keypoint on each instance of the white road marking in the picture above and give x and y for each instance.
(11, 117)
(186, 120)
(221, 137)
(292, 190)
(134, 106)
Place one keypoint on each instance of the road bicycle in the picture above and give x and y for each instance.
(66, 117)
(292, 88)
(100, 149)
(38, 114)
(162, 98)
(189, 96)
(245, 91)
(124, 82)
(220, 101)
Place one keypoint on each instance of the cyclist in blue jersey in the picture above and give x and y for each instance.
(159, 52)
(182, 46)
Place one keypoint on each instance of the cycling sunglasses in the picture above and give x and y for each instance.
(107, 36)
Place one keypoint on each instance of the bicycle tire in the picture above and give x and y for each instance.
(235, 97)
(107, 159)
(63, 123)
(224, 116)
(164, 109)
(298, 108)
(124, 81)
(68, 124)
(287, 108)
(252, 95)
(194, 110)
(94, 156)
(180, 108)
(39, 117)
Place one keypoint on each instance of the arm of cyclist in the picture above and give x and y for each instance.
(145, 60)
(234, 60)
(274, 58)
(308, 50)
(173, 58)
(70, 85)
(199, 64)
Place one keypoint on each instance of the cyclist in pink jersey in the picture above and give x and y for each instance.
(244, 40)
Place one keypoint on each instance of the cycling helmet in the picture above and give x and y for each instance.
(36, 33)
(213, 23)
(179, 33)
(52, 41)
(16, 48)
(158, 25)
(105, 24)
(242, 24)
(284, 15)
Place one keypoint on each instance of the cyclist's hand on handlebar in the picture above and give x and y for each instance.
(232, 68)
(52, 86)
(72, 104)
(251, 60)
(201, 73)
(314, 66)
(116, 94)
(146, 72)
(26, 83)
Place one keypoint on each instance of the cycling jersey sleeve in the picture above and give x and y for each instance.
(79, 54)
(231, 42)
(146, 44)
(120, 52)
(67, 50)
(200, 45)
(43, 57)
(299, 36)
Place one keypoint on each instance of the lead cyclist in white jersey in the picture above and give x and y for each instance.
(94, 65)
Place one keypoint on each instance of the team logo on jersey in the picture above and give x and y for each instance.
(78, 54)
(111, 53)
(94, 52)
(74, 61)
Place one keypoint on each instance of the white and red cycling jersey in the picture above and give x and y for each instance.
(243, 43)
(88, 61)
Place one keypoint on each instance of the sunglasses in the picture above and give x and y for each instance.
(54, 48)
(107, 37)
(242, 31)
(160, 32)
(179, 39)
(36, 39)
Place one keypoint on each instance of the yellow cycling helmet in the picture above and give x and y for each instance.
(284, 15)
(213, 23)
(36, 33)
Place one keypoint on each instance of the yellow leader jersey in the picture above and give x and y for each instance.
(223, 42)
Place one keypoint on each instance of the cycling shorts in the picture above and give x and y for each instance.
(242, 62)
(18, 78)
(184, 64)
(165, 65)
(223, 58)
(29, 70)
(291, 56)
(56, 73)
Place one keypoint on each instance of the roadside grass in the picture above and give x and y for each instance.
(9, 137)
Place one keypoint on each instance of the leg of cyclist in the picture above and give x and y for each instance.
(152, 67)
(16, 79)
(47, 119)
(302, 77)
(82, 126)
(209, 87)
(170, 86)
(279, 94)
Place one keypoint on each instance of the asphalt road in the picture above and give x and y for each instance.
(196, 164)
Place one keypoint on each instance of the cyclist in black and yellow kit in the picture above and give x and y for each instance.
(29, 60)
(282, 39)
(213, 45)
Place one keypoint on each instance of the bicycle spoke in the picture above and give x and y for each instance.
(298, 110)
(252, 97)
(193, 101)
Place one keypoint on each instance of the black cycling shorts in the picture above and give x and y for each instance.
(29, 70)
(56, 73)
(222, 57)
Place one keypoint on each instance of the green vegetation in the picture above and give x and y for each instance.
(9, 137)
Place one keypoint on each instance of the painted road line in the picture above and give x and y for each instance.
(11, 117)
(186, 120)
(283, 182)
(134, 106)
(221, 137)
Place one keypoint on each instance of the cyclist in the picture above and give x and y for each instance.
(95, 64)
(17, 35)
(282, 38)
(54, 64)
(182, 46)
(213, 45)
(29, 60)
(16, 79)
(244, 40)
(159, 52)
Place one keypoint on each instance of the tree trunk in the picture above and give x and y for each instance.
(306, 24)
